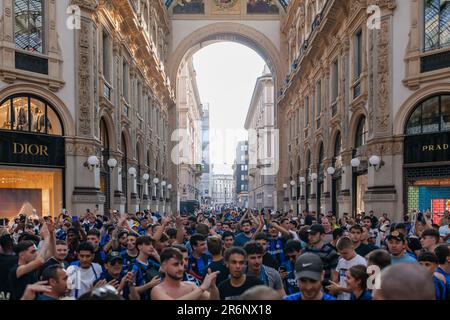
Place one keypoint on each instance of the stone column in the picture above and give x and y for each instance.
(86, 188)
(381, 195)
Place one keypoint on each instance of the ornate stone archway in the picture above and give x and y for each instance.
(233, 32)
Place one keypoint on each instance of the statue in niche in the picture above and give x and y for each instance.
(189, 7)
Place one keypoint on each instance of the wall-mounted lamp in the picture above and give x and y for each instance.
(331, 170)
(292, 183)
(112, 163)
(284, 185)
(376, 162)
(169, 187)
(132, 171)
(302, 180)
(146, 177)
(163, 183)
(314, 176)
(92, 162)
(156, 181)
(355, 162)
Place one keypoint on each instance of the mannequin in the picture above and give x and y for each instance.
(22, 118)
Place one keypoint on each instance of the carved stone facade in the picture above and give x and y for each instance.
(104, 64)
(364, 101)
(190, 126)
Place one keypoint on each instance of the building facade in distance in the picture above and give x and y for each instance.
(223, 186)
(364, 114)
(260, 124)
(241, 174)
(190, 133)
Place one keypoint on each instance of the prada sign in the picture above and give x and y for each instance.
(28, 149)
(427, 148)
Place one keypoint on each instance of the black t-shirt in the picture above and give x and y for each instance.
(18, 285)
(228, 292)
(6, 263)
(50, 262)
(270, 261)
(363, 249)
(219, 266)
(414, 244)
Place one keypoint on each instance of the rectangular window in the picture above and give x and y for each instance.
(319, 97)
(334, 80)
(28, 26)
(106, 57)
(436, 24)
(126, 81)
(358, 55)
(307, 111)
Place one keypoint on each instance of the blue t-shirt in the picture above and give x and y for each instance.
(366, 295)
(144, 274)
(298, 296)
(440, 288)
(199, 266)
(42, 297)
(241, 239)
(405, 258)
(290, 283)
(276, 249)
(447, 278)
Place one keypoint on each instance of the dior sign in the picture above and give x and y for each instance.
(427, 148)
(31, 149)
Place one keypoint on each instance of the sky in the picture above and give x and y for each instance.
(226, 77)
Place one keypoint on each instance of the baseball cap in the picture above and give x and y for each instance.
(315, 228)
(114, 256)
(396, 236)
(309, 265)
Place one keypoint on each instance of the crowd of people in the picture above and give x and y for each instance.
(225, 254)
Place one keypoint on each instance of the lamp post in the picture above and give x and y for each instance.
(169, 188)
(163, 184)
(112, 163)
(285, 199)
(156, 181)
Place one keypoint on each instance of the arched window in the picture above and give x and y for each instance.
(29, 113)
(436, 24)
(430, 116)
(361, 133)
(29, 25)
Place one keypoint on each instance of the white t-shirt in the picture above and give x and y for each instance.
(444, 231)
(342, 267)
(81, 280)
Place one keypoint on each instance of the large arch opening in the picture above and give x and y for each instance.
(185, 52)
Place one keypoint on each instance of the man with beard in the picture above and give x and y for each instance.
(174, 288)
(269, 276)
(239, 282)
(309, 273)
(246, 234)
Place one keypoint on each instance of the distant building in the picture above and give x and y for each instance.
(223, 189)
(260, 121)
(206, 179)
(241, 174)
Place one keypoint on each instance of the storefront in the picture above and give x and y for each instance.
(427, 156)
(32, 157)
